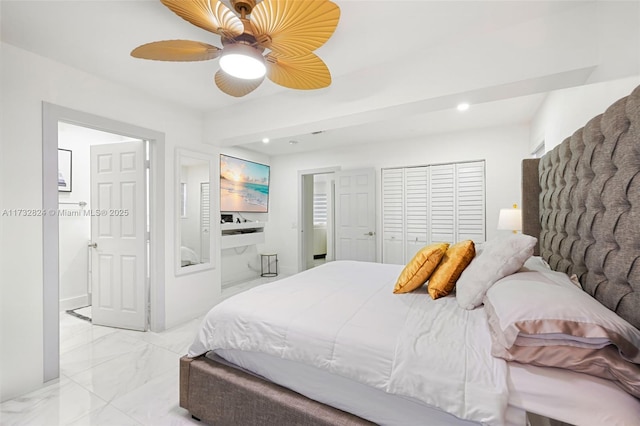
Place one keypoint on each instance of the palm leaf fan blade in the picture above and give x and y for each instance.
(236, 87)
(306, 72)
(291, 27)
(210, 15)
(176, 50)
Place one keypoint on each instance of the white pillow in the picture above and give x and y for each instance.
(500, 257)
(534, 308)
(543, 319)
(535, 263)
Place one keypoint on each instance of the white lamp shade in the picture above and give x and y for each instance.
(510, 219)
(242, 61)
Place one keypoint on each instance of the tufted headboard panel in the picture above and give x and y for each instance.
(589, 207)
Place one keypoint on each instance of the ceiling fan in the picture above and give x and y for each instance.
(287, 30)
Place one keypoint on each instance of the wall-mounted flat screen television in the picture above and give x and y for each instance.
(244, 185)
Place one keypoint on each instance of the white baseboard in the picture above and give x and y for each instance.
(74, 302)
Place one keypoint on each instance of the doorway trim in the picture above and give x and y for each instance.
(302, 193)
(51, 115)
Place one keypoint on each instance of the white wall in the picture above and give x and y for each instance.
(74, 231)
(502, 148)
(26, 81)
(565, 111)
(618, 30)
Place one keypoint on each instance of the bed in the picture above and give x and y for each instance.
(334, 346)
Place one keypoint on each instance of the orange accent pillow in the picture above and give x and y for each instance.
(444, 278)
(420, 267)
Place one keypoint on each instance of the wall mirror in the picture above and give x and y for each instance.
(194, 242)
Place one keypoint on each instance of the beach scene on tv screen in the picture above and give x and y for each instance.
(244, 185)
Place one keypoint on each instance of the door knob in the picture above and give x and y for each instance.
(93, 245)
(370, 234)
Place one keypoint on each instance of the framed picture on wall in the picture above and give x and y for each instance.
(64, 170)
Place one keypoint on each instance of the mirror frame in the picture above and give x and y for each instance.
(182, 153)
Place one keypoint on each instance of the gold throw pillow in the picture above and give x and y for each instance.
(456, 258)
(420, 267)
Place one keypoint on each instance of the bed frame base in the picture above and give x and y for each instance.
(221, 395)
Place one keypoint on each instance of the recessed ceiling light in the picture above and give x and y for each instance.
(463, 106)
(293, 142)
(265, 140)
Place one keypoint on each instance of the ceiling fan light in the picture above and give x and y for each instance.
(242, 61)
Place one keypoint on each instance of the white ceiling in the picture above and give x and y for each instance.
(399, 67)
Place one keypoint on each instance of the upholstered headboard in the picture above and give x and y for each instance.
(589, 207)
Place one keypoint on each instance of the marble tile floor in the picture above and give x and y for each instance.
(113, 377)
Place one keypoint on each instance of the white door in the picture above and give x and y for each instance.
(416, 194)
(355, 221)
(393, 224)
(118, 195)
(470, 201)
(442, 192)
(205, 222)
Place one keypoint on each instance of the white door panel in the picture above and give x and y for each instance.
(442, 190)
(356, 215)
(470, 200)
(393, 223)
(118, 197)
(417, 210)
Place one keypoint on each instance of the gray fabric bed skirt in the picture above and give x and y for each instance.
(221, 395)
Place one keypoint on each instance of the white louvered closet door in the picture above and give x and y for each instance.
(470, 201)
(205, 222)
(442, 206)
(428, 204)
(416, 210)
(393, 216)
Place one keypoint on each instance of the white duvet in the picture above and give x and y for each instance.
(344, 318)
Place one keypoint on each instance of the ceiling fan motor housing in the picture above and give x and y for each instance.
(243, 6)
(245, 38)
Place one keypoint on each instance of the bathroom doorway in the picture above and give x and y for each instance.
(316, 217)
(51, 117)
(82, 194)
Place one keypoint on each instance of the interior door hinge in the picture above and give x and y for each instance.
(147, 164)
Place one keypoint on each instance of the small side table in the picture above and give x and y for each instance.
(268, 258)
